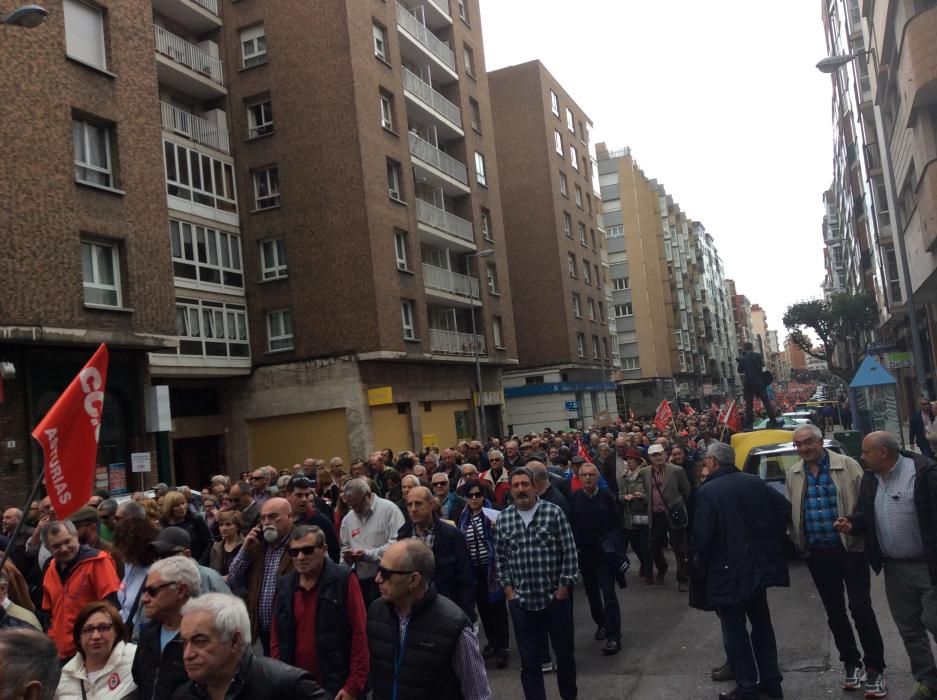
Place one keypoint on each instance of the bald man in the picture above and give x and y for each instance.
(264, 558)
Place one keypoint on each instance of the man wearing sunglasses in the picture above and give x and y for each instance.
(421, 643)
(319, 620)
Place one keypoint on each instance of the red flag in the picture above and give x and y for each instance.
(68, 435)
(663, 416)
(583, 452)
(734, 421)
(688, 410)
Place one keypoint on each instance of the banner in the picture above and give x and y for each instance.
(734, 420)
(68, 435)
(583, 452)
(663, 416)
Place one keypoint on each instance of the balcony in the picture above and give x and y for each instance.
(435, 12)
(197, 129)
(188, 68)
(418, 43)
(917, 69)
(427, 102)
(199, 16)
(453, 343)
(439, 169)
(443, 228)
(438, 279)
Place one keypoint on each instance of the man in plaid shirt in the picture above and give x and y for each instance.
(822, 486)
(537, 565)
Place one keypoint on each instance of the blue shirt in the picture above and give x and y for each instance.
(821, 508)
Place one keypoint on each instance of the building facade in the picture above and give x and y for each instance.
(556, 248)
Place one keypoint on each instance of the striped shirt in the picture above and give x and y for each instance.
(896, 521)
(475, 539)
(657, 498)
(821, 508)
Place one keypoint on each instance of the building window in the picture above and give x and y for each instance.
(595, 346)
(463, 11)
(468, 58)
(892, 278)
(578, 190)
(400, 250)
(492, 278)
(586, 272)
(100, 274)
(590, 305)
(573, 157)
(577, 311)
(582, 232)
(199, 178)
(203, 257)
(629, 363)
(84, 33)
(486, 224)
(279, 330)
(563, 185)
(623, 310)
(393, 180)
(92, 146)
(259, 119)
(475, 114)
(387, 110)
(567, 225)
(619, 284)
(592, 238)
(589, 202)
(480, 175)
(380, 42)
(558, 141)
(273, 258)
(581, 344)
(605, 348)
(615, 232)
(570, 120)
(253, 46)
(571, 263)
(407, 316)
(496, 331)
(554, 104)
(266, 188)
(601, 313)
(597, 278)
(211, 329)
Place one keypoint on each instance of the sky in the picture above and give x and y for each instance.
(719, 100)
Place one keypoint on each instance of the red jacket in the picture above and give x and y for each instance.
(93, 577)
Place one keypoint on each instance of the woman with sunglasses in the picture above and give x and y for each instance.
(101, 670)
(476, 524)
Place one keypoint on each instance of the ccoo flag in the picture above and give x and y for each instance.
(68, 435)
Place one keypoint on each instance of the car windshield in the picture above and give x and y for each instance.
(771, 466)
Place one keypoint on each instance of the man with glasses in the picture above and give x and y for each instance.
(822, 486)
(421, 643)
(260, 484)
(498, 478)
(319, 620)
(306, 511)
(158, 669)
(450, 503)
(240, 498)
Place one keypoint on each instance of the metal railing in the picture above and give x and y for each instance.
(428, 153)
(444, 221)
(449, 281)
(210, 5)
(452, 343)
(430, 97)
(418, 31)
(189, 55)
(199, 130)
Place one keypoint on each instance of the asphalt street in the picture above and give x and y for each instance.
(668, 648)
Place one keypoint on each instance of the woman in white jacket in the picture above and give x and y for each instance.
(101, 668)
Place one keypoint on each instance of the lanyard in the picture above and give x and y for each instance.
(399, 660)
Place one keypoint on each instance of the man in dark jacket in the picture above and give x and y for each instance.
(216, 631)
(920, 425)
(738, 541)
(453, 575)
(751, 366)
(897, 513)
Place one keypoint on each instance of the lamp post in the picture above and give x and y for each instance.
(28, 17)
(831, 64)
(480, 408)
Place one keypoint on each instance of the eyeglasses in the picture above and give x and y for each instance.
(387, 573)
(495, 459)
(440, 483)
(308, 550)
(475, 494)
(103, 628)
(801, 443)
(152, 591)
(256, 478)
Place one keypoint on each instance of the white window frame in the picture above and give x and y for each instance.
(616, 231)
(468, 59)
(590, 306)
(571, 263)
(554, 104)
(387, 110)
(574, 158)
(220, 194)
(586, 272)
(85, 168)
(463, 11)
(279, 330)
(273, 261)
(570, 121)
(400, 250)
(558, 142)
(486, 224)
(481, 175)
(581, 344)
(269, 177)
(253, 46)
(212, 255)
(203, 322)
(624, 310)
(567, 225)
(492, 274)
(475, 112)
(379, 37)
(564, 185)
(497, 332)
(408, 319)
(264, 125)
(85, 43)
(95, 284)
(581, 227)
(619, 284)
(578, 195)
(595, 346)
(393, 180)
(577, 308)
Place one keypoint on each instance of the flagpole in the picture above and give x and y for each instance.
(19, 525)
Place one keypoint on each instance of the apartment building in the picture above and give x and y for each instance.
(556, 251)
(741, 315)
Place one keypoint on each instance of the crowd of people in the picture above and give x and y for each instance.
(379, 579)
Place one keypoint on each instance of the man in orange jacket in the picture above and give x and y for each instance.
(77, 575)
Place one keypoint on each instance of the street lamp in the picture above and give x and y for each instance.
(480, 408)
(28, 17)
(831, 64)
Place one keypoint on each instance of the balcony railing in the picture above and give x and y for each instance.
(444, 221)
(210, 5)
(451, 282)
(414, 28)
(452, 343)
(199, 130)
(189, 55)
(430, 97)
(428, 153)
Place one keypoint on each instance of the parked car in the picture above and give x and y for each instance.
(771, 462)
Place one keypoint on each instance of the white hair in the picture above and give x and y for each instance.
(495, 453)
(179, 569)
(228, 612)
(809, 428)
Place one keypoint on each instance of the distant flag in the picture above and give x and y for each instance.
(583, 452)
(663, 416)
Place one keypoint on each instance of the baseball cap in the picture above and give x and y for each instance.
(655, 449)
(171, 539)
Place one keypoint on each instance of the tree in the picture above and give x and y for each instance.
(833, 321)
